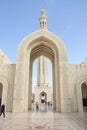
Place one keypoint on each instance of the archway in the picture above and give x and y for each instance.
(84, 95)
(43, 97)
(82, 81)
(37, 44)
(1, 90)
(42, 80)
(42, 50)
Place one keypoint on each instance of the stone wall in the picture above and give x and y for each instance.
(75, 74)
(7, 75)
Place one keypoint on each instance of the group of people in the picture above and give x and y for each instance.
(43, 107)
(2, 110)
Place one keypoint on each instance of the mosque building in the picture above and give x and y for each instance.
(69, 80)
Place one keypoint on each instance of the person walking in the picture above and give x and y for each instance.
(37, 106)
(2, 110)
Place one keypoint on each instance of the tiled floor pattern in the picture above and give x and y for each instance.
(44, 121)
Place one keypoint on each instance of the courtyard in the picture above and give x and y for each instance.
(44, 120)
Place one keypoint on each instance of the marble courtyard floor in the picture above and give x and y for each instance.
(44, 121)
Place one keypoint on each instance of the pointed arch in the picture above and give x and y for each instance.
(84, 95)
(43, 97)
(81, 80)
(4, 84)
(38, 43)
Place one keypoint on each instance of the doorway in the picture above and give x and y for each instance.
(42, 81)
(43, 97)
(1, 89)
(84, 96)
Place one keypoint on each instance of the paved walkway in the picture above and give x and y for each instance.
(37, 120)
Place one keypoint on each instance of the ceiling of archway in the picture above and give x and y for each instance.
(42, 50)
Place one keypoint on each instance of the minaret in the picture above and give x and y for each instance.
(43, 19)
(42, 72)
(42, 89)
(42, 75)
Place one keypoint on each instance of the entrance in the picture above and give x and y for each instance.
(1, 88)
(43, 97)
(40, 43)
(84, 96)
(42, 79)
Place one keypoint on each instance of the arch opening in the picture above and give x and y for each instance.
(49, 52)
(43, 97)
(1, 90)
(84, 95)
(42, 81)
(40, 43)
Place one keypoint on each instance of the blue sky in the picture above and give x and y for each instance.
(66, 18)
